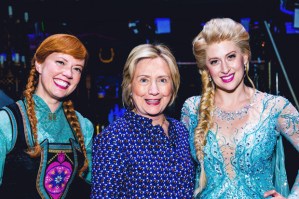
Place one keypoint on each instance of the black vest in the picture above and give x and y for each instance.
(53, 175)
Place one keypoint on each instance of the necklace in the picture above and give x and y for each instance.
(232, 115)
(229, 116)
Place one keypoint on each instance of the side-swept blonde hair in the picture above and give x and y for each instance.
(61, 43)
(145, 51)
(214, 31)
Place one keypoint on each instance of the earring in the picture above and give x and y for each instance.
(210, 79)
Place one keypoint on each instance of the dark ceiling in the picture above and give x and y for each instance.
(109, 16)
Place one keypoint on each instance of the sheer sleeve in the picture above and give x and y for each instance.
(288, 126)
(189, 117)
(5, 139)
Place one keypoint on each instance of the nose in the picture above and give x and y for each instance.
(67, 72)
(225, 68)
(153, 89)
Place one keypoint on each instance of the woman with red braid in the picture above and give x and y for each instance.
(44, 143)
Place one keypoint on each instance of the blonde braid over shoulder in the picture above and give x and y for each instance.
(73, 121)
(204, 124)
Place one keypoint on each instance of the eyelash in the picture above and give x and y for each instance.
(229, 57)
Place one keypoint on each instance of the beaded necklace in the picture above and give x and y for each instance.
(229, 116)
(232, 115)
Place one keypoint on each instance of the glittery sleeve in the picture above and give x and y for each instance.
(288, 126)
(189, 117)
(5, 139)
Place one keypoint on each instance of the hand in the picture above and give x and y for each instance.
(274, 194)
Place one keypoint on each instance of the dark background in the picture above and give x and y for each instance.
(103, 27)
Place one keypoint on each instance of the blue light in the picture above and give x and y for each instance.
(162, 25)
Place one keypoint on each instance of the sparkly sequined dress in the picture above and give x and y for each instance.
(244, 149)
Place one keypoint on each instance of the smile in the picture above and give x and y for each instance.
(228, 78)
(152, 102)
(61, 83)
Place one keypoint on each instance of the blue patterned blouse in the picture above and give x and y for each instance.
(134, 159)
(241, 156)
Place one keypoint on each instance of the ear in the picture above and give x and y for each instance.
(38, 67)
(245, 59)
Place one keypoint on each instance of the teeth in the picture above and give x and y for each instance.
(152, 100)
(61, 83)
(228, 77)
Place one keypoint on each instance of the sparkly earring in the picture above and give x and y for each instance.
(210, 79)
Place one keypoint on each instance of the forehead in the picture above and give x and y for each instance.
(152, 66)
(221, 48)
(66, 57)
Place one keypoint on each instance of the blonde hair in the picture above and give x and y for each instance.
(214, 31)
(145, 51)
(62, 43)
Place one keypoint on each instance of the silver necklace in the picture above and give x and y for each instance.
(229, 116)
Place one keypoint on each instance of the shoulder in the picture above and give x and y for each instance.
(5, 119)
(273, 104)
(272, 100)
(85, 123)
(193, 100)
(175, 122)
(116, 129)
(191, 104)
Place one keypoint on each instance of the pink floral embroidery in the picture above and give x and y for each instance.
(57, 176)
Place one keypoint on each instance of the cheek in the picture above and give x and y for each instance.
(167, 90)
(139, 91)
(77, 78)
(213, 72)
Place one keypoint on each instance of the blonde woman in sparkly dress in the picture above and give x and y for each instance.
(235, 130)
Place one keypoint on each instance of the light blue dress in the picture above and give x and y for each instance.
(243, 156)
(55, 131)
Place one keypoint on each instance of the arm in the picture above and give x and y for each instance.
(189, 117)
(5, 140)
(288, 126)
(108, 166)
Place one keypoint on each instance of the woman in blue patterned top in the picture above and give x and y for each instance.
(145, 154)
(44, 143)
(235, 130)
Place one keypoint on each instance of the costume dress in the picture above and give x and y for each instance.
(4, 99)
(243, 156)
(134, 159)
(54, 173)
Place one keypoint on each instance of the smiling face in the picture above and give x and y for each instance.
(151, 87)
(225, 63)
(59, 76)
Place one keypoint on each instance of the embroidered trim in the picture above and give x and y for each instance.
(26, 129)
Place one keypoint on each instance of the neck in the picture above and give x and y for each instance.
(235, 99)
(156, 120)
